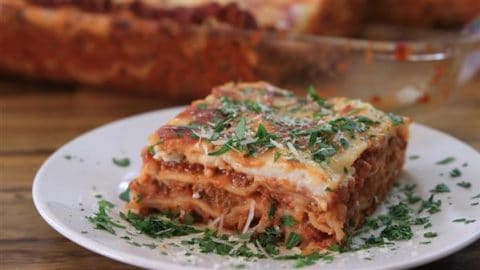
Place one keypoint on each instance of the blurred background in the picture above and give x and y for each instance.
(67, 66)
(397, 54)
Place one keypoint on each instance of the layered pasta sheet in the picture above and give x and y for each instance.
(251, 156)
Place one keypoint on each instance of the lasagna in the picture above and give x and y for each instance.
(251, 156)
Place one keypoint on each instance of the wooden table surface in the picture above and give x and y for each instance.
(37, 118)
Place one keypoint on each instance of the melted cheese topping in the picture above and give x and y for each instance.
(318, 166)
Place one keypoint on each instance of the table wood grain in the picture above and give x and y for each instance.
(36, 118)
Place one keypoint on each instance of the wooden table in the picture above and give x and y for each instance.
(37, 118)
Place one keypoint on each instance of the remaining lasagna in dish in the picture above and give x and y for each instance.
(251, 156)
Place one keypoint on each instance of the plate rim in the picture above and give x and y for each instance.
(135, 260)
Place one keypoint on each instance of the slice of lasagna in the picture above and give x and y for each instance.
(251, 156)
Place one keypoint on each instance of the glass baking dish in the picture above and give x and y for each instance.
(402, 76)
(175, 60)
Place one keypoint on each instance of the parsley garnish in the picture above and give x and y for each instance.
(431, 205)
(459, 220)
(412, 198)
(151, 150)
(464, 220)
(189, 219)
(414, 157)
(218, 128)
(125, 195)
(464, 184)
(344, 143)
(241, 128)
(272, 210)
(446, 160)
(68, 157)
(222, 150)
(253, 106)
(287, 221)
(314, 96)
(311, 259)
(102, 220)
(399, 212)
(151, 246)
(293, 240)
(430, 234)
(420, 221)
(157, 226)
(440, 188)
(261, 132)
(396, 119)
(455, 173)
(202, 106)
(276, 156)
(397, 232)
(121, 162)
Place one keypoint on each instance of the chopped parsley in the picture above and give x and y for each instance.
(276, 156)
(189, 219)
(102, 220)
(414, 157)
(395, 225)
(312, 94)
(344, 143)
(412, 198)
(431, 205)
(287, 221)
(157, 226)
(430, 234)
(151, 246)
(455, 173)
(446, 160)
(440, 188)
(241, 129)
(121, 162)
(399, 212)
(464, 184)
(151, 150)
(272, 210)
(459, 220)
(293, 240)
(202, 106)
(421, 221)
(397, 232)
(68, 157)
(395, 119)
(464, 220)
(223, 149)
(125, 195)
(311, 259)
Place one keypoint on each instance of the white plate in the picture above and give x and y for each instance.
(64, 193)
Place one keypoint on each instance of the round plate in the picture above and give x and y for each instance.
(67, 187)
